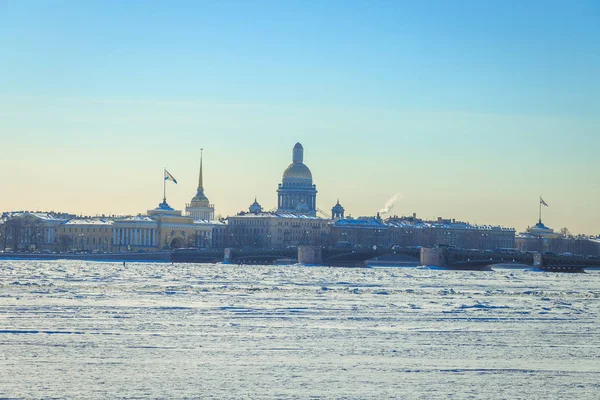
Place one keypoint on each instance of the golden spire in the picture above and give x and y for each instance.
(200, 179)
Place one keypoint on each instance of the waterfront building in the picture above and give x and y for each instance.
(26, 230)
(411, 231)
(85, 234)
(362, 232)
(275, 230)
(538, 237)
(166, 228)
(162, 228)
(296, 193)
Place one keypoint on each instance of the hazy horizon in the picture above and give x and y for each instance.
(470, 110)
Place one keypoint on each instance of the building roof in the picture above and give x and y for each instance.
(99, 222)
(137, 218)
(297, 171)
(44, 216)
(208, 222)
(277, 215)
(363, 222)
(412, 223)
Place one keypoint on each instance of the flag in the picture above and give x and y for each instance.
(169, 177)
(541, 201)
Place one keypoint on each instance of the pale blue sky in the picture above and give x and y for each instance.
(470, 109)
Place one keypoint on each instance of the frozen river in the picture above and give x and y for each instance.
(73, 329)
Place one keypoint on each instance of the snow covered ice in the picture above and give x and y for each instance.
(73, 329)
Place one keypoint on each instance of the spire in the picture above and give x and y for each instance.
(200, 186)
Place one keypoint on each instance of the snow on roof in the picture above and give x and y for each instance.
(89, 222)
(208, 222)
(278, 215)
(137, 218)
(361, 223)
(41, 215)
(412, 224)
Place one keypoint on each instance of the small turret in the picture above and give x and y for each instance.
(337, 212)
(255, 208)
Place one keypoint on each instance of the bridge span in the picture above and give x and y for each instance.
(460, 259)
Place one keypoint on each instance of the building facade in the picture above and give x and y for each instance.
(85, 234)
(410, 231)
(25, 230)
(275, 230)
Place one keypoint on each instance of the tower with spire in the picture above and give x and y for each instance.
(200, 208)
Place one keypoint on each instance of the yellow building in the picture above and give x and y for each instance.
(85, 235)
(166, 228)
(162, 228)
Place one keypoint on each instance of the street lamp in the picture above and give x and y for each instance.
(484, 237)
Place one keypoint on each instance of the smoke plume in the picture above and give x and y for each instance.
(389, 205)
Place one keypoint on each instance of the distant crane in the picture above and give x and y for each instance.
(323, 213)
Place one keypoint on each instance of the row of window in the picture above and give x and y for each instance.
(88, 230)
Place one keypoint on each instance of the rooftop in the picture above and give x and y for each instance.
(277, 215)
(89, 222)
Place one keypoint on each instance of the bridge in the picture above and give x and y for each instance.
(328, 256)
(439, 256)
(460, 259)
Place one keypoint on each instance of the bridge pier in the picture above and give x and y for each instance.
(310, 255)
(433, 257)
(538, 261)
(227, 255)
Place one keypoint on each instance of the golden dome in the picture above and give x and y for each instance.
(297, 171)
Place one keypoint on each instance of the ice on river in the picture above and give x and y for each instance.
(73, 329)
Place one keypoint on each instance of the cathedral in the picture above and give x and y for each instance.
(296, 193)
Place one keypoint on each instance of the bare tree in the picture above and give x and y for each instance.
(64, 243)
(565, 232)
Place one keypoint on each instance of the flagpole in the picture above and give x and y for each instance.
(540, 209)
(164, 186)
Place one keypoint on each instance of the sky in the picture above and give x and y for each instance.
(465, 109)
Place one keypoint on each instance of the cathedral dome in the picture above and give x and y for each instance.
(296, 193)
(297, 171)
